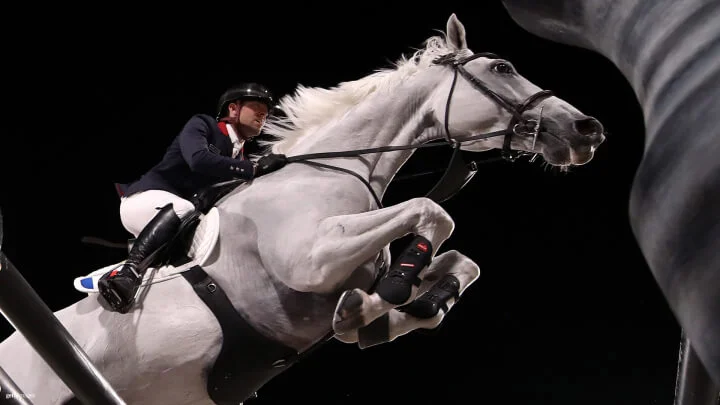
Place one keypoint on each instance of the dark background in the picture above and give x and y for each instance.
(566, 311)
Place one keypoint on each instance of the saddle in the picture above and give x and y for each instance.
(193, 242)
(247, 359)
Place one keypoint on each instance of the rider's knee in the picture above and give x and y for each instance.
(139, 209)
(183, 208)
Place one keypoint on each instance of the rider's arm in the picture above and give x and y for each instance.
(195, 150)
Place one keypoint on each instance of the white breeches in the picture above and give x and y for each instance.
(138, 209)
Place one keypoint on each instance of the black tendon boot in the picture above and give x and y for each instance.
(429, 304)
(396, 286)
(118, 288)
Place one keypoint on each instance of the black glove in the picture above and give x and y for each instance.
(270, 163)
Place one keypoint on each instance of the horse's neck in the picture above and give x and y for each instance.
(396, 116)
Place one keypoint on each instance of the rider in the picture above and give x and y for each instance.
(206, 151)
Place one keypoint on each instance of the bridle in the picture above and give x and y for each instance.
(458, 174)
(517, 125)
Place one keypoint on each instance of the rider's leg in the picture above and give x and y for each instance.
(137, 210)
(163, 212)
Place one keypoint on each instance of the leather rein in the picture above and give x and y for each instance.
(457, 174)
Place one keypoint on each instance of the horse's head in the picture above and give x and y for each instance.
(487, 94)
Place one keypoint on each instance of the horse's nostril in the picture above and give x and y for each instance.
(588, 126)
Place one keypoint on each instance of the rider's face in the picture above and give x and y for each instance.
(250, 117)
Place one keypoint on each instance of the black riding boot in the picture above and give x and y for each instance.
(118, 288)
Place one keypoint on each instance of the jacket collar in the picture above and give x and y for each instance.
(222, 125)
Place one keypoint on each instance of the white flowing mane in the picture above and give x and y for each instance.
(312, 107)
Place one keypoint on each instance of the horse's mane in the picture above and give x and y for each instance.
(312, 107)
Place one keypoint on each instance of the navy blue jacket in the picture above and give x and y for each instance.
(199, 156)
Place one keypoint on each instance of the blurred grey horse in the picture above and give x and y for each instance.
(669, 51)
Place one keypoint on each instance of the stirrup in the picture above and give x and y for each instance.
(115, 300)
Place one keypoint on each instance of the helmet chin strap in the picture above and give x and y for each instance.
(239, 131)
(235, 122)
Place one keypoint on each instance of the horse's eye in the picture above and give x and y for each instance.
(503, 68)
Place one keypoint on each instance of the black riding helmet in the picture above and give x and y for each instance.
(245, 91)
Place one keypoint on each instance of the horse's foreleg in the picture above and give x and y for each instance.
(346, 242)
(447, 278)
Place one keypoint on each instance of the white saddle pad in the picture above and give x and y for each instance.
(203, 243)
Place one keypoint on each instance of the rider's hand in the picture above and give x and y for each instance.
(270, 163)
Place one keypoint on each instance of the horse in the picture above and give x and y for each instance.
(668, 52)
(302, 255)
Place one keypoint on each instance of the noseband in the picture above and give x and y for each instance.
(518, 124)
(458, 173)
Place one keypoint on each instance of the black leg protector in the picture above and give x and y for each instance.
(396, 286)
(118, 288)
(435, 299)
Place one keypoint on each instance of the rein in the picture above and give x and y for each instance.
(457, 174)
(357, 152)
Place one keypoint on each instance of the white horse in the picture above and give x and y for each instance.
(296, 250)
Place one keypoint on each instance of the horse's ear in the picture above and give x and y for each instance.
(456, 34)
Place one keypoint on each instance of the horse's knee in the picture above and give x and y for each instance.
(457, 264)
(448, 259)
(464, 268)
(435, 222)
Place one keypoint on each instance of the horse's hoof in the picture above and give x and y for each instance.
(348, 312)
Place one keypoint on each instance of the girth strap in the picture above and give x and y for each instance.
(248, 359)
